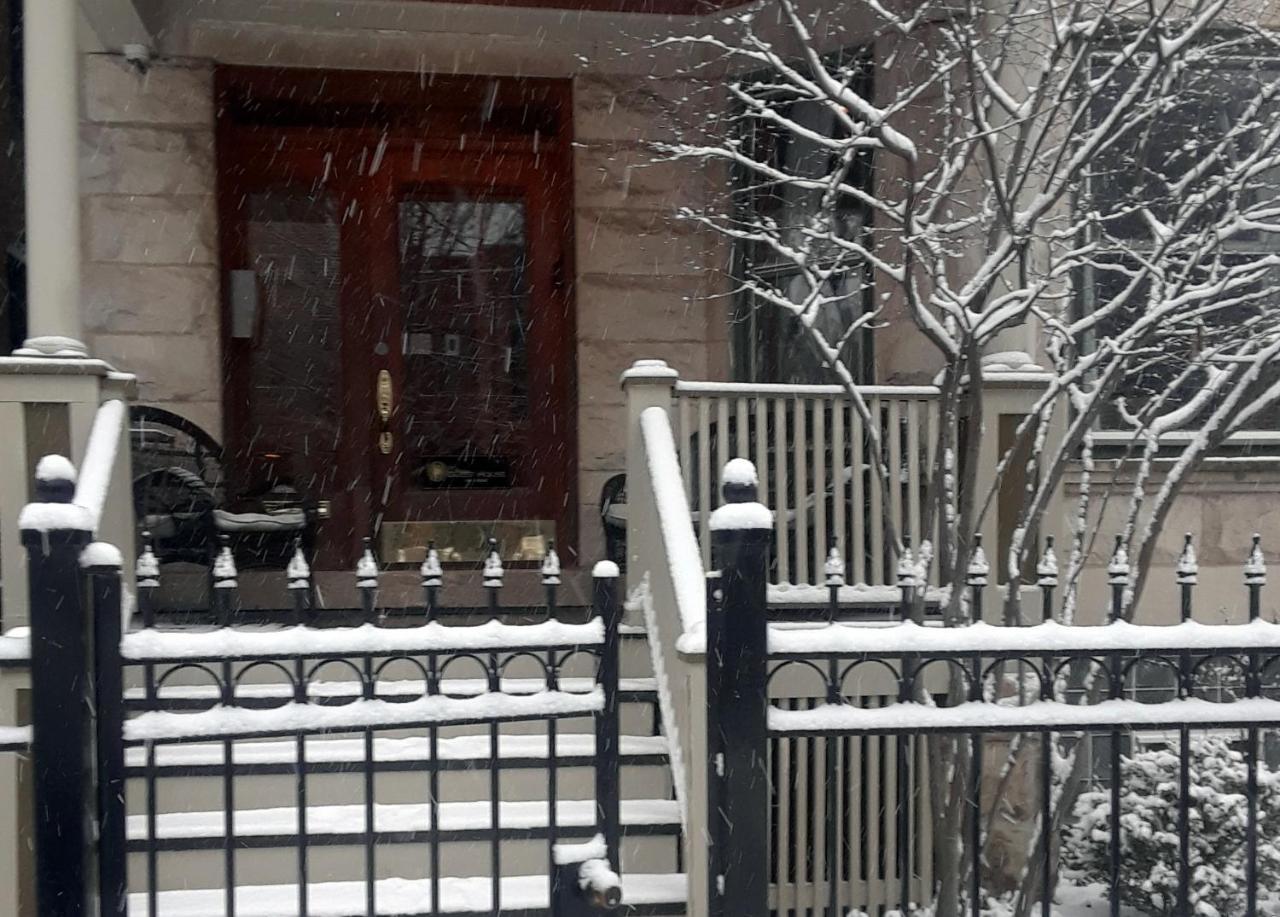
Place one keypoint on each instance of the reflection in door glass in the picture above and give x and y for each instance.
(291, 237)
(465, 292)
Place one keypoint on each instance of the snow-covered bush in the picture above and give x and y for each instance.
(1149, 826)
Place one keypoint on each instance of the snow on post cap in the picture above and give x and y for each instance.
(979, 569)
(834, 567)
(224, 567)
(745, 516)
(431, 571)
(648, 369)
(55, 468)
(101, 554)
(1047, 568)
(298, 572)
(740, 471)
(493, 570)
(550, 566)
(1188, 568)
(147, 567)
(739, 482)
(1255, 568)
(1118, 567)
(605, 569)
(367, 568)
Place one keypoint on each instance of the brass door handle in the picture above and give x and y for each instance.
(384, 395)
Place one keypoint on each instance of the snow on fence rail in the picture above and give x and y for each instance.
(815, 456)
(861, 713)
(81, 728)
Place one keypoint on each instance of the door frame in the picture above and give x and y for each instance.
(259, 108)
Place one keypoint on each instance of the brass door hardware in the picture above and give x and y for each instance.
(384, 395)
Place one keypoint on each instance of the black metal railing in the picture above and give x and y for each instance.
(861, 723)
(223, 695)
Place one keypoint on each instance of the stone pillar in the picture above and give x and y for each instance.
(1012, 384)
(51, 106)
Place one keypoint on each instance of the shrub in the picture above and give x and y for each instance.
(1149, 831)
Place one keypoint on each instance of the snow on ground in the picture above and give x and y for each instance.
(394, 896)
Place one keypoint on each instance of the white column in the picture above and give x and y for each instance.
(51, 111)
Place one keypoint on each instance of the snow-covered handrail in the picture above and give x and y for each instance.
(84, 512)
(15, 646)
(675, 521)
(100, 457)
(804, 391)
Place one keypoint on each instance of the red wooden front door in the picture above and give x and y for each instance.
(407, 351)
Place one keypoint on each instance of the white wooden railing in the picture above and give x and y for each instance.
(815, 455)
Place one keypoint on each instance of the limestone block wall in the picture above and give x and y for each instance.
(644, 284)
(150, 257)
(646, 281)
(1221, 506)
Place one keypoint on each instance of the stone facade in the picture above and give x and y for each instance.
(150, 249)
(644, 281)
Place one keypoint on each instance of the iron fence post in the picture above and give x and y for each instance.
(608, 795)
(63, 738)
(737, 723)
(104, 577)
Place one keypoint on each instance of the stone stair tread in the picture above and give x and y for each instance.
(323, 749)
(397, 817)
(402, 897)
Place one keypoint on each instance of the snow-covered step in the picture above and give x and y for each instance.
(396, 823)
(641, 894)
(336, 755)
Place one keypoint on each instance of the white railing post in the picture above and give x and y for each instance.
(647, 384)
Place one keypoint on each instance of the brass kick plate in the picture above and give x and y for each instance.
(465, 541)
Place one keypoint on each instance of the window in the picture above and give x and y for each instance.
(769, 345)
(1206, 109)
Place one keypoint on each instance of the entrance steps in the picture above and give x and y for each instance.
(190, 780)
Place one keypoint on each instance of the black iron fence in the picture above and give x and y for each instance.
(231, 702)
(837, 752)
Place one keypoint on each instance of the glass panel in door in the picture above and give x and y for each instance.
(465, 298)
(294, 398)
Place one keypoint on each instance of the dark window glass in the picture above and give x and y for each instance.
(770, 345)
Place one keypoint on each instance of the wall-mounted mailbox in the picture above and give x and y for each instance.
(242, 287)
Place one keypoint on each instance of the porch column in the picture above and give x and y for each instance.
(50, 60)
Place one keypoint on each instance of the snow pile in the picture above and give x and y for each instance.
(741, 472)
(55, 468)
(594, 849)
(730, 516)
(101, 554)
(1149, 880)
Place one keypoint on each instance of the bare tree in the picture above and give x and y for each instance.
(1103, 171)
